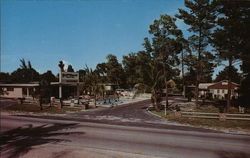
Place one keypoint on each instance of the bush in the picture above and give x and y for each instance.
(45, 100)
(177, 108)
(161, 107)
(220, 104)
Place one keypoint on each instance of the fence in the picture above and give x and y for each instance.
(220, 116)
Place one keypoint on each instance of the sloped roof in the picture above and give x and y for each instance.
(204, 85)
(20, 85)
(223, 85)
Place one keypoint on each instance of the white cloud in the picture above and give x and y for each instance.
(66, 64)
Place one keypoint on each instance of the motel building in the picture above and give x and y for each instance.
(217, 90)
(67, 87)
(18, 91)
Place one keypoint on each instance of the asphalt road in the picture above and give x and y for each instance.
(36, 137)
(123, 131)
(6, 102)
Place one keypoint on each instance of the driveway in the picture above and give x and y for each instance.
(132, 114)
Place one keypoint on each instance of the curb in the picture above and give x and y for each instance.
(153, 113)
(227, 131)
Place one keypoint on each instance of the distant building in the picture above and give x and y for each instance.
(18, 90)
(217, 90)
(204, 91)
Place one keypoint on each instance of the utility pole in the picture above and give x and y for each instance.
(60, 84)
(166, 86)
(61, 65)
(183, 80)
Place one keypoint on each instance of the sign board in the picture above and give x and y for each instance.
(69, 77)
(108, 88)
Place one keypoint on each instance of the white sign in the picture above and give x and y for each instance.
(108, 88)
(69, 77)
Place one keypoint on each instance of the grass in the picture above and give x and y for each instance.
(36, 109)
(213, 109)
(208, 109)
(214, 123)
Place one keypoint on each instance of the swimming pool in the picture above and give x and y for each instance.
(113, 101)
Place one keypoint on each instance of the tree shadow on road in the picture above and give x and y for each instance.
(228, 154)
(19, 141)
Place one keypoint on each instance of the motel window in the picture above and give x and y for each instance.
(10, 89)
(218, 91)
(223, 91)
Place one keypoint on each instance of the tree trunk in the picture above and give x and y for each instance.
(40, 103)
(197, 86)
(95, 101)
(61, 103)
(229, 86)
(182, 69)
(198, 71)
(166, 93)
(166, 85)
(154, 100)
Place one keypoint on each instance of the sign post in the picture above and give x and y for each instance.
(60, 85)
(70, 78)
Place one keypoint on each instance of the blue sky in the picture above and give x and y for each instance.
(78, 32)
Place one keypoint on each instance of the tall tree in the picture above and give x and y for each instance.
(43, 92)
(92, 83)
(23, 64)
(223, 75)
(115, 72)
(5, 77)
(70, 69)
(25, 73)
(232, 37)
(166, 45)
(48, 76)
(102, 70)
(184, 54)
(200, 16)
(136, 66)
(130, 66)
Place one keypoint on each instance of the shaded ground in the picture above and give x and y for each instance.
(37, 109)
(17, 142)
(47, 138)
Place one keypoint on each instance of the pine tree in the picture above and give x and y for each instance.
(200, 16)
(166, 45)
(231, 39)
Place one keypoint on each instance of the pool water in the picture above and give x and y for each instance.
(112, 101)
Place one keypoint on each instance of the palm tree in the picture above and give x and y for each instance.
(92, 83)
(154, 84)
(61, 66)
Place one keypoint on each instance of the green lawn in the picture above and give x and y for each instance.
(215, 123)
(36, 109)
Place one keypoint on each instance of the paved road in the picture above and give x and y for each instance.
(59, 138)
(6, 102)
(133, 114)
(123, 131)
(129, 112)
